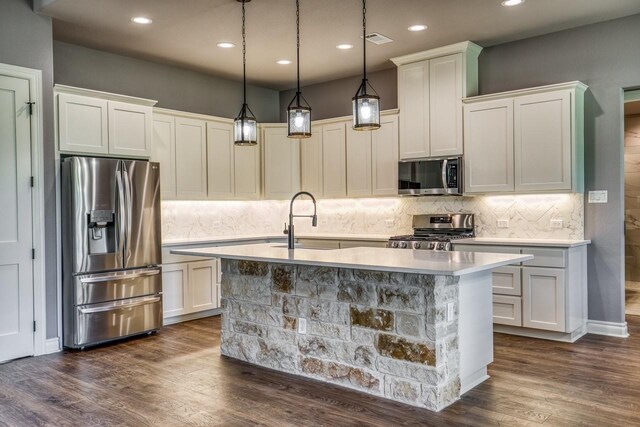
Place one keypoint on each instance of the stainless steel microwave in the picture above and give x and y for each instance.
(430, 177)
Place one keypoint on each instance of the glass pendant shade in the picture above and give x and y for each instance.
(298, 119)
(245, 129)
(366, 109)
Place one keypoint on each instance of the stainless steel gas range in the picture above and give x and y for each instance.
(435, 232)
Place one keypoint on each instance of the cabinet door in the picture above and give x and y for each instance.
(543, 298)
(130, 129)
(246, 172)
(488, 147)
(164, 152)
(358, 163)
(174, 290)
(191, 159)
(311, 163)
(384, 157)
(203, 291)
(507, 310)
(281, 164)
(507, 281)
(220, 161)
(334, 162)
(83, 124)
(413, 100)
(542, 129)
(445, 105)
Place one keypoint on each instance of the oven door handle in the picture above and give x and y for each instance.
(445, 164)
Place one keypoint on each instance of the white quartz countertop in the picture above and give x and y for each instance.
(495, 241)
(215, 240)
(381, 259)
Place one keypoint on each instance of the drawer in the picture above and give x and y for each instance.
(507, 310)
(507, 281)
(100, 287)
(489, 249)
(555, 258)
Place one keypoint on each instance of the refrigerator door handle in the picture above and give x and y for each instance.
(121, 213)
(105, 277)
(129, 213)
(98, 308)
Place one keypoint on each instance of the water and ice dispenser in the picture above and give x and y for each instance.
(102, 231)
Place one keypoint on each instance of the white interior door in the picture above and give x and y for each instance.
(16, 242)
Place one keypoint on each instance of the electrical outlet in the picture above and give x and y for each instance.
(503, 223)
(302, 326)
(557, 223)
(600, 196)
(217, 224)
(449, 312)
(389, 223)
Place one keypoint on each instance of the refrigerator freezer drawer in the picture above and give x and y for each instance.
(97, 323)
(101, 287)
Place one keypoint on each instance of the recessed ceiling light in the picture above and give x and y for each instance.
(226, 45)
(419, 27)
(141, 20)
(345, 46)
(283, 62)
(512, 2)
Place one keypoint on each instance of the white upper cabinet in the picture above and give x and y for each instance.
(93, 122)
(164, 152)
(191, 159)
(525, 141)
(413, 101)
(281, 163)
(445, 105)
(334, 164)
(358, 163)
(543, 141)
(384, 157)
(431, 86)
(130, 129)
(220, 160)
(246, 172)
(311, 174)
(488, 146)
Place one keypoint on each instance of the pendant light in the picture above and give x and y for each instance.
(298, 114)
(245, 125)
(366, 107)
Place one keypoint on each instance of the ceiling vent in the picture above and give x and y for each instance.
(377, 38)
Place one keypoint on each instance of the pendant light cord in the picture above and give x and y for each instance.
(298, 45)
(244, 58)
(364, 37)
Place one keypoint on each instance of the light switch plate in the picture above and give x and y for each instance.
(503, 223)
(389, 223)
(557, 223)
(599, 196)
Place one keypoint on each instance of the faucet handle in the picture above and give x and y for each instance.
(286, 229)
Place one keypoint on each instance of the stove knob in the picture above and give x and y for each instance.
(394, 244)
(440, 247)
(416, 245)
(403, 245)
(432, 245)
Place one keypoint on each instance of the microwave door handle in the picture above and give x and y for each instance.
(120, 215)
(445, 185)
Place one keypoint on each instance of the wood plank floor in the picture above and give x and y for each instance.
(178, 378)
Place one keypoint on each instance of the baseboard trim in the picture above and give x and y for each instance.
(52, 345)
(191, 316)
(541, 334)
(611, 329)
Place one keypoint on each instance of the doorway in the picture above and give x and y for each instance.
(21, 200)
(632, 201)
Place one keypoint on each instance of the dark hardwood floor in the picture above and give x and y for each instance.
(178, 378)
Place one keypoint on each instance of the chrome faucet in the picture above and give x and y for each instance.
(314, 218)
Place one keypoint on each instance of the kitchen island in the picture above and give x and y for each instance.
(411, 326)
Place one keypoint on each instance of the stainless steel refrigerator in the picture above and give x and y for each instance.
(111, 247)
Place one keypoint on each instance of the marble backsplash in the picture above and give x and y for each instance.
(529, 216)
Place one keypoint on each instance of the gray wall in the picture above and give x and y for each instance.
(172, 87)
(605, 56)
(25, 40)
(333, 99)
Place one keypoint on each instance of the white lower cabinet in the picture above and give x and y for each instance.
(507, 310)
(190, 287)
(544, 298)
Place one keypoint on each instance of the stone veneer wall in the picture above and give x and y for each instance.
(382, 333)
(529, 216)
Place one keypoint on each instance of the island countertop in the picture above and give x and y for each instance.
(453, 263)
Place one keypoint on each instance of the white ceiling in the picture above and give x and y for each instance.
(185, 32)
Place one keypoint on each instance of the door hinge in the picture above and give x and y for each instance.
(30, 104)
(33, 253)
(33, 180)
(34, 326)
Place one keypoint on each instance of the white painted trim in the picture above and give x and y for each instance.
(631, 95)
(473, 380)
(575, 85)
(188, 115)
(540, 334)
(191, 316)
(52, 346)
(103, 95)
(349, 118)
(611, 329)
(462, 47)
(37, 200)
